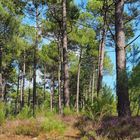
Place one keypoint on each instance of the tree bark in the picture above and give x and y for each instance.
(123, 106)
(16, 102)
(35, 59)
(1, 94)
(78, 82)
(93, 83)
(102, 50)
(23, 88)
(59, 77)
(65, 57)
(52, 94)
(4, 90)
(44, 82)
(29, 94)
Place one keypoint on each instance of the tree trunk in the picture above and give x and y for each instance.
(29, 93)
(93, 83)
(1, 72)
(44, 82)
(35, 63)
(122, 81)
(16, 102)
(101, 51)
(59, 78)
(90, 85)
(52, 94)
(4, 90)
(78, 82)
(23, 88)
(65, 57)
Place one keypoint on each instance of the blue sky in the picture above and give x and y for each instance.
(110, 79)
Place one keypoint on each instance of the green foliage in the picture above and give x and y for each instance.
(30, 128)
(104, 105)
(52, 124)
(25, 113)
(68, 111)
(2, 113)
(134, 89)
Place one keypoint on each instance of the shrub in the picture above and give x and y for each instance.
(68, 111)
(52, 124)
(25, 113)
(30, 128)
(2, 113)
(104, 105)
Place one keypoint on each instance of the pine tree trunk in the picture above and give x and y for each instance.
(44, 82)
(35, 62)
(78, 82)
(65, 57)
(29, 93)
(93, 83)
(59, 78)
(101, 51)
(16, 102)
(90, 85)
(4, 90)
(52, 94)
(23, 88)
(1, 72)
(122, 80)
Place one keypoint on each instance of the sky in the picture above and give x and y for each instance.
(107, 79)
(110, 80)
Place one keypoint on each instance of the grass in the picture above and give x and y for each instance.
(2, 114)
(124, 128)
(52, 126)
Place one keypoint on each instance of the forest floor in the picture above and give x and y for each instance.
(76, 128)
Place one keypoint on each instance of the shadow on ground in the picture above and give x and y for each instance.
(112, 128)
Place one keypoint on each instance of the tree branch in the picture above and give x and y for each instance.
(132, 41)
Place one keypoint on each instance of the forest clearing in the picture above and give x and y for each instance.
(69, 70)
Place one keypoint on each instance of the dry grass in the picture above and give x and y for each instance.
(31, 129)
(76, 128)
(120, 128)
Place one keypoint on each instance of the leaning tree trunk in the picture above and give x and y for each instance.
(65, 57)
(78, 82)
(122, 81)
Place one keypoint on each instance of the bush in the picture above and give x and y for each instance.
(68, 111)
(52, 124)
(2, 113)
(25, 113)
(104, 105)
(30, 128)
